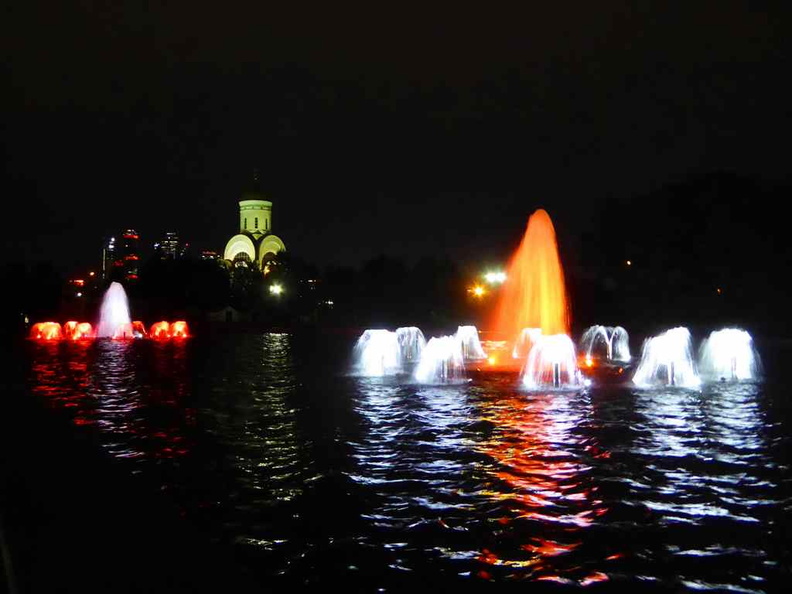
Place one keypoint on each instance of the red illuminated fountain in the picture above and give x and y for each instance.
(534, 295)
(114, 323)
(532, 315)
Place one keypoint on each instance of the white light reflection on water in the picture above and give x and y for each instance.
(707, 467)
(317, 471)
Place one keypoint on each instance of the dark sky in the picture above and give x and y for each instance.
(377, 127)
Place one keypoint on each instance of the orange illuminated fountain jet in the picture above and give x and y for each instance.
(533, 301)
(178, 329)
(160, 330)
(74, 330)
(46, 331)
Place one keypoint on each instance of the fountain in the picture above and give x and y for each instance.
(614, 339)
(377, 353)
(411, 342)
(534, 293)
(552, 362)
(666, 360)
(468, 338)
(114, 320)
(442, 362)
(533, 302)
(528, 337)
(74, 330)
(46, 331)
(729, 354)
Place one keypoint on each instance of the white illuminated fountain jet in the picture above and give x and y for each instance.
(528, 337)
(114, 320)
(468, 338)
(411, 342)
(613, 339)
(442, 362)
(551, 363)
(666, 360)
(377, 353)
(729, 355)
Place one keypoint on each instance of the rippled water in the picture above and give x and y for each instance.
(317, 477)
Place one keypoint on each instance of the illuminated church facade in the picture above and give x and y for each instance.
(254, 243)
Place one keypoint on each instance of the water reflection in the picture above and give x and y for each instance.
(266, 464)
(316, 477)
(131, 391)
(709, 473)
(541, 479)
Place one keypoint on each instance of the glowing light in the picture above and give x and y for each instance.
(477, 290)
(276, 289)
(534, 293)
(492, 360)
(629, 262)
(495, 278)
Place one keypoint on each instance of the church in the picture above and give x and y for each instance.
(255, 242)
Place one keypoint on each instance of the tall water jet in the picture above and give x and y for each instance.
(114, 320)
(411, 342)
(552, 362)
(377, 353)
(468, 338)
(729, 354)
(613, 340)
(534, 293)
(666, 360)
(441, 362)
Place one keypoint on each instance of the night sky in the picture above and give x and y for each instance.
(378, 128)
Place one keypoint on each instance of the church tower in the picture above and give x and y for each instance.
(255, 242)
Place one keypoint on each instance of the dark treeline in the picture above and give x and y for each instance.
(383, 292)
(704, 252)
(711, 249)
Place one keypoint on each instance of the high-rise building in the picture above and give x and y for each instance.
(170, 247)
(109, 258)
(130, 253)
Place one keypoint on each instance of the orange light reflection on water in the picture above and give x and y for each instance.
(540, 479)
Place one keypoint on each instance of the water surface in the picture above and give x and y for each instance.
(315, 477)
